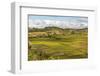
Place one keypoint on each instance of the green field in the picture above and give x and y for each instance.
(55, 43)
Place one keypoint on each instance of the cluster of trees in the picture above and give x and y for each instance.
(54, 33)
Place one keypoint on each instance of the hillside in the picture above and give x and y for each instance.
(57, 43)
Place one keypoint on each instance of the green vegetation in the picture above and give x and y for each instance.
(56, 43)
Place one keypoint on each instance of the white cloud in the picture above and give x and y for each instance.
(62, 24)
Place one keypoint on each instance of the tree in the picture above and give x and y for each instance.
(29, 45)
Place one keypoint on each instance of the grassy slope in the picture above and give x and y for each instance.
(68, 47)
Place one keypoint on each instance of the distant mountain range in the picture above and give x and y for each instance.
(61, 24)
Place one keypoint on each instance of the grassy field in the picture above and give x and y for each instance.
(69, 44)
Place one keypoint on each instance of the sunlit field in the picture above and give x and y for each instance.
(55, 43)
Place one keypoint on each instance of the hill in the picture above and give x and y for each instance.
(51, 43)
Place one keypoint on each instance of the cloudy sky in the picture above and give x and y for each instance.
(58, 21)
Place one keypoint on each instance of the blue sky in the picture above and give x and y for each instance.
(40, 21)
(58, 18)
